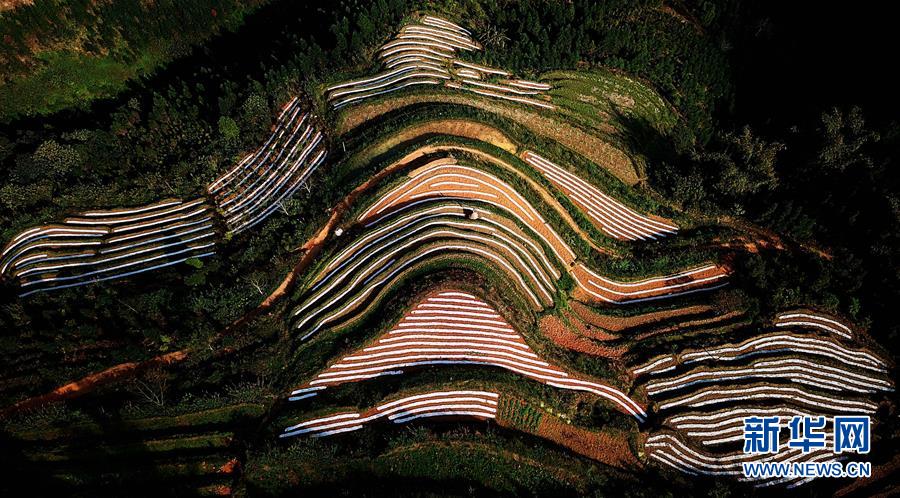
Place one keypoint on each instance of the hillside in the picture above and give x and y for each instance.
(440, 248)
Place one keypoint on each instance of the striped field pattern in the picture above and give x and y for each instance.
(798, 368)
(376, 258)
(452, 328)
(96, 246)
(441, 404)
(614, 218)
(671, 450)
(425, 54)
(445, 179)
(255, 187)
(813, 320)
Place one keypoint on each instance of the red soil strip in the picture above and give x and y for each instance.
(604, 447)
(230, 466)
(554, 329)
(218, 490)
(536, 187)
(587, 330)
(93, 381)
(471, 183)
(621, 323)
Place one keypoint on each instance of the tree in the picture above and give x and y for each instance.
(844, 137)
(739, 167)
(228, 128)
(52, 158)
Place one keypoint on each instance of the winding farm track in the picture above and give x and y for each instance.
(453, 327)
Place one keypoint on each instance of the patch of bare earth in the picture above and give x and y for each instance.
(587, 330)
(560, 334)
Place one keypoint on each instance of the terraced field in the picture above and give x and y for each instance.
(477, 273)
(109, 244)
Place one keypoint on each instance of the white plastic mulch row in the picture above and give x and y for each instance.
(776, 383)
(815, 321)
(703, 279)
(613, 217)
(452, 328)
(477, 404)
(377, 255)
(673, 452)
(103, 245)
(446, 179)
(713, 396)
(252, 190)
(656, 366)
(388, 250)
(788, 343)
(727, 426)
(794, 370)
(425, 53)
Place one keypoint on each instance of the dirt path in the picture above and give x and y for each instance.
(93, 381)
(597, 150)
